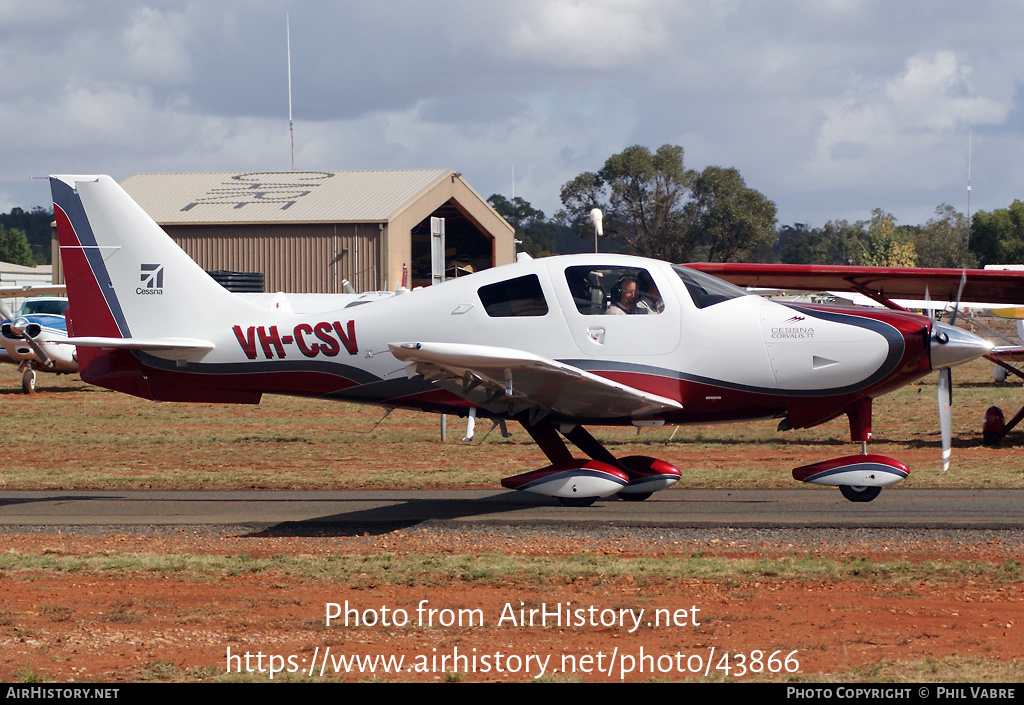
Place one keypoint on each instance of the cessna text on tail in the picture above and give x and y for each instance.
(557, 344)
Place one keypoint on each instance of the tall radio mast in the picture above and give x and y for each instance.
(970, 145)
(291, 129)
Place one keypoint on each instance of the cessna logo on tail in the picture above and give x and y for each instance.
(152, 279)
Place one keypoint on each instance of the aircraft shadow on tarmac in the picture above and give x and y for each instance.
(377, 520)
(11, 501)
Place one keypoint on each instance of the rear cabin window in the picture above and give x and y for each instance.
(516, 297)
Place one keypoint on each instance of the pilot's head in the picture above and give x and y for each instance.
(628, 288)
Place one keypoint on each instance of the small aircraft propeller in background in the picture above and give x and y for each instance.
(20, 326)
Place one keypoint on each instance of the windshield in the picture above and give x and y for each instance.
(706, 290)
(57, 307)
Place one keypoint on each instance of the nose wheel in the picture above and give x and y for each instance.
(28, 381)
(856, 493)
(577, 501)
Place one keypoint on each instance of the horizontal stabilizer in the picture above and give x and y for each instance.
(150, 345)
(508, 381)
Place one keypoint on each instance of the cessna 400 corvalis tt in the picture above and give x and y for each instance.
(530, 341)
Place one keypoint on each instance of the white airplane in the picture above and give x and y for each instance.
(528, 342)
(32, 338)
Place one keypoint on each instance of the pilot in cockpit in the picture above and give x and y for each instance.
(625, 297)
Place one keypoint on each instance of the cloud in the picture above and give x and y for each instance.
(903, 127)
(590, 35)
(157, 46)
(823, 105)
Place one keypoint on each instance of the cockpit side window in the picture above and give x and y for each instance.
(598, 291)
(706, 290)
(522, 296)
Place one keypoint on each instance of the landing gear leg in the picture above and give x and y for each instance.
(646, 475)
(583, 440)
(545, 435)
(860, 428)
(579, 483)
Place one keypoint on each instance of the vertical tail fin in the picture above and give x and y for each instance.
(126, 278)
(134, 292)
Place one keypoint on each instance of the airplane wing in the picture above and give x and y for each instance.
(508, 381)
(1007, 353)
(988, 285)
(24, 290)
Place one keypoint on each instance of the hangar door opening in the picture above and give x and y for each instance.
(468, 248)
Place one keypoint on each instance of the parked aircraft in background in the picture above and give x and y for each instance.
(529, 342)
(30, 337)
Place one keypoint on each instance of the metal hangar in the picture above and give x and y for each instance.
(308, 232)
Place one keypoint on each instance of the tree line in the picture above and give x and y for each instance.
(25, 236)
(655, 207)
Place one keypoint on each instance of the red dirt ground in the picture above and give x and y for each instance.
(108, 626)
(103, 626)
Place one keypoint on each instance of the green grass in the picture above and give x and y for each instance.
(495, 569)
(75, 436)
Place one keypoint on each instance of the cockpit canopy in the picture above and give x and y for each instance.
(52, 306)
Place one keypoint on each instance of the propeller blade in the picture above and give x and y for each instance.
(38, 350)
(960, 291)
(945, 413)
(932, 313)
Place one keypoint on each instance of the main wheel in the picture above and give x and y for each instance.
(991, 439)
(856, 493)
(28, 381)
(634, 496)
(577, 501)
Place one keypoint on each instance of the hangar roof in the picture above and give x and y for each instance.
(284, 196)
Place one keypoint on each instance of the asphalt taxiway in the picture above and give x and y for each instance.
(376, 511)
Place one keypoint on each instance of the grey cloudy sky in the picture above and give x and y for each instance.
(829, 107)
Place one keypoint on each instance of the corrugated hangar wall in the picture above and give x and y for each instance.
(298, 258)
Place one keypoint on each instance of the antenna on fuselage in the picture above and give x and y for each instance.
(597, 218)
(515, 219)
